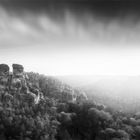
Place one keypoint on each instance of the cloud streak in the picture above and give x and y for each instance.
(67, 39)
(41, 27)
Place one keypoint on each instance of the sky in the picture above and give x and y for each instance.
(71, 37)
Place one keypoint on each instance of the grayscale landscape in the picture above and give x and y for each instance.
(69, 70)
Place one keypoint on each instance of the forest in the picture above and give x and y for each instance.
(63, 113)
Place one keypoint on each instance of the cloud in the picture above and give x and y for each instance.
(69, 41)
(63, 26)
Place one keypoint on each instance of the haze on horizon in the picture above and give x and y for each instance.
(66, 40)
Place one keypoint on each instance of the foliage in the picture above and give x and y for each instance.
(56, 119)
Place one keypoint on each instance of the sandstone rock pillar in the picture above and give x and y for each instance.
(4, 70)
(18, 70)
(4, 78)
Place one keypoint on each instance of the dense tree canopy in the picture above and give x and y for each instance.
(55, 119)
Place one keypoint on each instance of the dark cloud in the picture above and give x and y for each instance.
(77, 34)
(99, 7)
(26, 22)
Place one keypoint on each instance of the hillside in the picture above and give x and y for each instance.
(121, 92)
(38, 107)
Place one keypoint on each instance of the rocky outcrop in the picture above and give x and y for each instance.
(18, 70)
(17, 80)
(15, 83)
(4, 70)
(4, 77)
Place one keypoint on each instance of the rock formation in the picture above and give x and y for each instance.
(4, 70)
(18, 70)
(15, 84)
(17, 80)
(4, 77)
